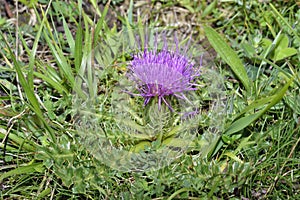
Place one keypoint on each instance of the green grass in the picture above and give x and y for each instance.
(44, 154)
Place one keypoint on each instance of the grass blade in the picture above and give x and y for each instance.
(78, 47)
(277, 15)
(69, 36)
(228, 55)
(101, 23)
(33, 102)
(34, 49)
(246, 121)
(36, 167)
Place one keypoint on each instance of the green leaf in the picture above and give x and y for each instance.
(69, 36)
(244, 143)
(130, 12)
(176, 142)
(78, 47)
(44, 193)
(57, 86)
(139, 131)
(57, 52)
(233, 156)
(209, 8)
(249, 49)
(257, 104)
(36, 167)
(284, 53)
(33, 51)
(140, 146)
(269, 46)
(265, 42)
(96, 7)
(60, 59)
(242, 123)
(228, 55)
(283, 42)
(101, 23)
(29, 3)
(247, 120)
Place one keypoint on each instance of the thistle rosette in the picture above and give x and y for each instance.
(163, 72)
(153, 64)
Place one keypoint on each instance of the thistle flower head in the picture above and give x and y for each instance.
(164, 72)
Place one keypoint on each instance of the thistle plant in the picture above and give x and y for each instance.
(160, 98)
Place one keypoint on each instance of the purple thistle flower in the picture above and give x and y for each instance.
(162, 73)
